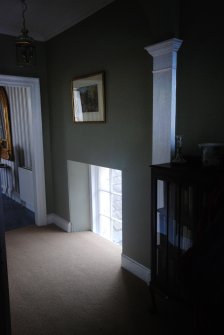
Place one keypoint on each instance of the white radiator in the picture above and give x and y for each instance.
(26, 188)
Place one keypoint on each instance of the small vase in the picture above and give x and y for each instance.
(179, 155)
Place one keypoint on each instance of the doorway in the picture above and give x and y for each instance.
(32, 86)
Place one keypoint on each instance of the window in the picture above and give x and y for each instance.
(106, 185)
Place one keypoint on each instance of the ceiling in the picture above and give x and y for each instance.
(45, 18)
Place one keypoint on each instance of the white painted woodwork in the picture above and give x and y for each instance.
(136, 268)
(20, 119)
(60, 222)
(164, 99)
(32, 86)
(20, 115)
(8, 180)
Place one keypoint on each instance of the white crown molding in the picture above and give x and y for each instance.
(165, 47)
(60, 222)
(136, 268)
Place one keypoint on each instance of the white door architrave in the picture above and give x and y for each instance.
(37, 142)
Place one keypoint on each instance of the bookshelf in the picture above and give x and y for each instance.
(181, 194)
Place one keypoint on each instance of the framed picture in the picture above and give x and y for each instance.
(88, 98)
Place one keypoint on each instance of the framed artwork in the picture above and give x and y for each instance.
(6, 150)
(88, 98)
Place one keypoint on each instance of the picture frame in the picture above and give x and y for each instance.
(6, 149)
(88, 98)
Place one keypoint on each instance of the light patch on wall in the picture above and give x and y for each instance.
(79, 195)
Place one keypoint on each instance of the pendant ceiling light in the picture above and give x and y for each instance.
(25, 48)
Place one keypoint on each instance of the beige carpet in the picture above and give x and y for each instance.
(73, 284)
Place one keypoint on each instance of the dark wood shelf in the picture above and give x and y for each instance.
(181, 197)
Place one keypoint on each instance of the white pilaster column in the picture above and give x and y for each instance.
(164, 99)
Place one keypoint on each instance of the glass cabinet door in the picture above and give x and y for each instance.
(161, 234)
(174, 217)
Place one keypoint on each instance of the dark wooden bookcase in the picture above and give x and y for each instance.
(181, 195)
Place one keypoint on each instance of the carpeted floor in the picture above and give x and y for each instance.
(72, 284)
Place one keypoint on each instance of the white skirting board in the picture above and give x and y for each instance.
(61, 223)
(136, 268)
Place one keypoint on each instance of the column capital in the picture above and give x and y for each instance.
(165, 47)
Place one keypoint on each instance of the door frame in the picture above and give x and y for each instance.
(33, 84)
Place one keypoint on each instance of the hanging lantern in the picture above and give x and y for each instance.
(25, 48)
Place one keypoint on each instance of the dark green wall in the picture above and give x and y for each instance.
(8, 67)
(200, 103)
(112, 40)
